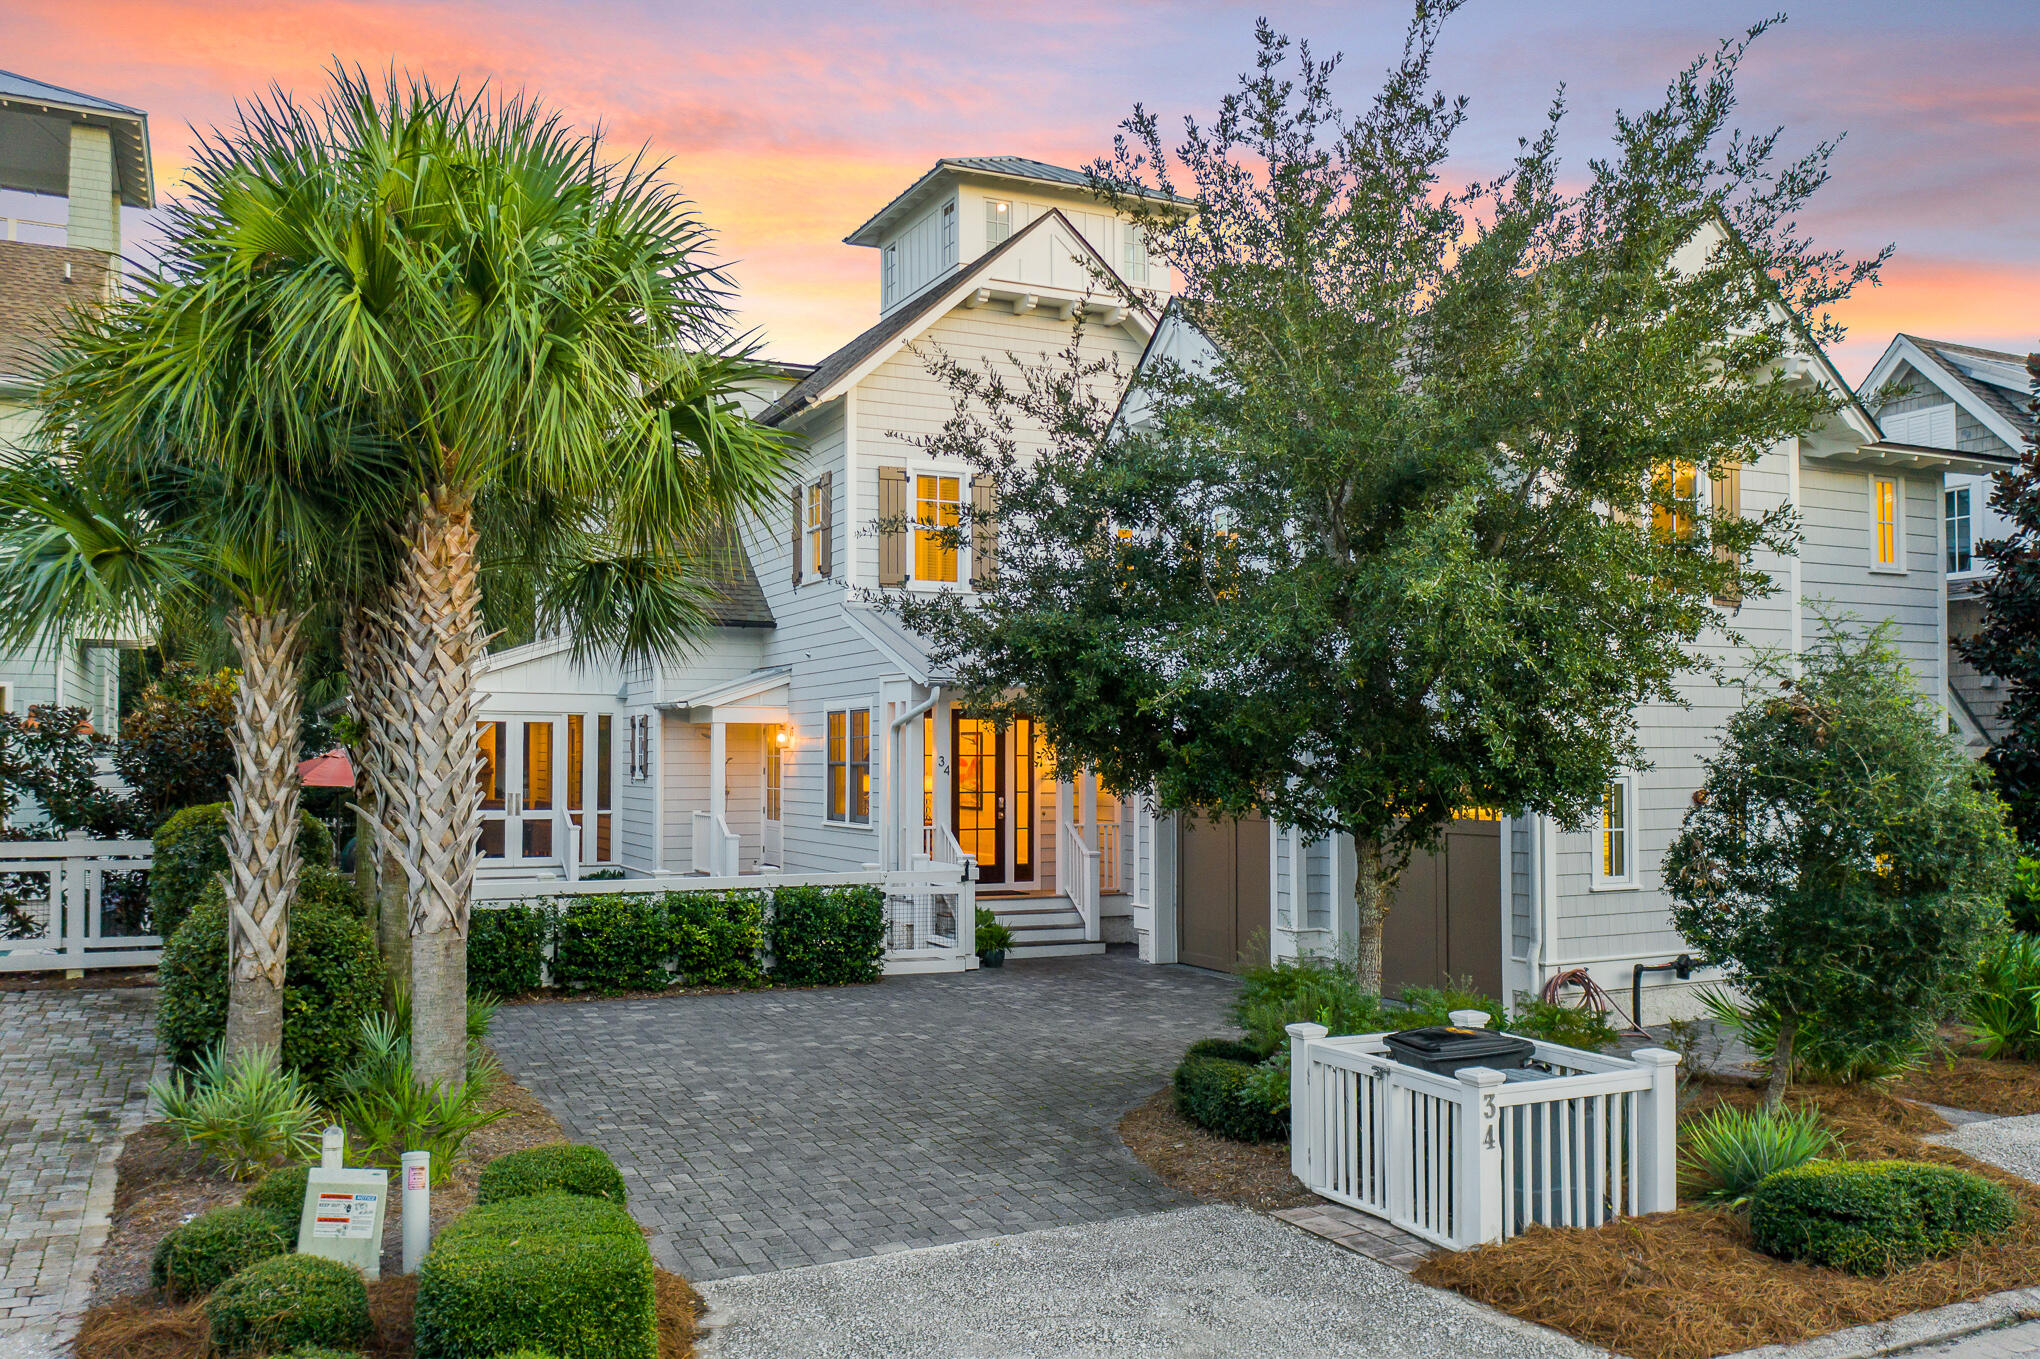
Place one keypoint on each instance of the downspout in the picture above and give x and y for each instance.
(899, 723)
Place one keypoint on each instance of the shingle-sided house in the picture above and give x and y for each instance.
(1937, 394)
(813, 733)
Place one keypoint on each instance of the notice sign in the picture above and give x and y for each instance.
(343, 1217)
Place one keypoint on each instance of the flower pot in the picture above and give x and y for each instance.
(992, 957)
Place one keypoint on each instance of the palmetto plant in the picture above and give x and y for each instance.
(534, 329)
(1729, 1151)
(241, 1110)
(2004, 1009)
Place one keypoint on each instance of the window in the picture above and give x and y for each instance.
(1959, 557)
(891, 281)
(818, 526)
(948, 233)
(927, 776)
(640, 748)
(605, 761)
(1675, 496)
(998, 221)
(489, 774)
(1887, 543)
(849, 753)
(1614, 857)
(5, 695)
(938, 515)
(1136, 256)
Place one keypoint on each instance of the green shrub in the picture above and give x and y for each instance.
(1824, 1053)
(321, 1352)
(612, 944)
(281, 1194)
(1225, 1049)
(1566, 1025)
(1730, 1151)
(204, 1253)
(2004, 1009)
(506, 948)
(242, 1111)
(1221, 1096)
(332, 978)
(389, 1113)
(569, 1274)
(717, 937)
(289, 1300)
(1867, 1217)
(1305, 991)
(992, 937)
(564, 1169)
(190, 854)
(2022, 903)
(827, 936)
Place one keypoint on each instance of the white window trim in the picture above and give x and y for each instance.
(1895, 567)
(845, 822)
(1627, 882)
(891, 265)
(915, 471)
(6, 698)
(1969, 514)
(1012, 211)
(815, 522)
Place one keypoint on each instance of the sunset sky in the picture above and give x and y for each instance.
(790, 122)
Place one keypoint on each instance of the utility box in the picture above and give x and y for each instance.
(1443, 1050)
(343, 1217)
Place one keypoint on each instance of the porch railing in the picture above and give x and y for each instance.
(1109, 879)
(71, 904)
(939, 846)
(713, 846)
(1077, 870)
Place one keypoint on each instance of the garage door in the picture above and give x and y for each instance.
(1446, 923)
(1222, 877)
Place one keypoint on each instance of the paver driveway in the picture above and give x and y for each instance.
(784, 1128)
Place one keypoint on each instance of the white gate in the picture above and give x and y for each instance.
(1576, 1139)
(75, 903)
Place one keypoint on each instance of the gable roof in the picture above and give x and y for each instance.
(1988, 383)
(36, 299)
(909, 318)
(998, 167)
(25, 96)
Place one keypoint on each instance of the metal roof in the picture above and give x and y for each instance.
(1003, 167)
(32, 160)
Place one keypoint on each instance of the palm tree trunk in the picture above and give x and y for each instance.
(262, 839)
(381, 792)
(435, 624)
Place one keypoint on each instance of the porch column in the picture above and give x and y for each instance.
(718, 773)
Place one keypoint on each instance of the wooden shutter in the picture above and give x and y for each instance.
(1727, 493)
(825, 551)
(799, 526)
(892, 526)
(984, 529)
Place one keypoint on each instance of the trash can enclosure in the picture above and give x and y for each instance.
(1571, 1139)
(1444, 1050)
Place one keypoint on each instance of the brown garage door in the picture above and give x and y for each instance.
(1446, 924)
(1222, 882)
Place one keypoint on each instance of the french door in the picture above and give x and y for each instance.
(775, 834)
(521, 790)
(992, 797)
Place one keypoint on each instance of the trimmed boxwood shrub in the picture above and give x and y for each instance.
(827, 936)
(281, 1194)
(1867, 1217)
(205, 1252)
(190, 852)
(564, 1169)
(506, 948)
(563, 1273)
(1212, 1092)
(612, 944)
(717, 937)
(1226, 1049)
(332, 978)
(321, 1352)
(289, 1300)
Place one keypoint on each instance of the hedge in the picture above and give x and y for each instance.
(1867, 1217)
(332, 978)
(190, 851)
(281, 1194)
(612, 944)
(831, 936)
(290, 1300)
(717, 937)
(1211, 1091)
(563, 1169)
(558, 1272)
(506, 948)
(200, 1255)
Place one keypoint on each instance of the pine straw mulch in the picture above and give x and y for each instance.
(163, 1182)
(1688, 1284)
(1206, 1166)
(1966, 1081)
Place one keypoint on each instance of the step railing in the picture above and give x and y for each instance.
(1573, 1141)
(1077, 870)
(712, 846)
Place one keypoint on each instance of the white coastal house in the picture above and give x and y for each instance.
(812, 733)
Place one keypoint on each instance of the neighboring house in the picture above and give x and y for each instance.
(812, 733)
(1934, 394)
(90, 157)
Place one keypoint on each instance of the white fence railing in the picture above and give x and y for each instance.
(930, 914)
(714, 846)
(71, 904)
(1077, 873)
(1575, 1140)
(1109, 867)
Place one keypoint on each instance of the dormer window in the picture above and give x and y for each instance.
(891, 281)
(948, 234)
(1136, 256)
(998, 221)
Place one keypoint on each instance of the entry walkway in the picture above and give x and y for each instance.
(778, 1129)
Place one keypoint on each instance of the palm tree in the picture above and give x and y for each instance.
(537, 327)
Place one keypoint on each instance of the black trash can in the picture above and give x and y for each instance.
(1444, 1050)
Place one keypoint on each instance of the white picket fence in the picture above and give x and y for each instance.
(1477, 1157)
(66, 905)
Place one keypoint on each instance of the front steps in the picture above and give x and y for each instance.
(1043, 927)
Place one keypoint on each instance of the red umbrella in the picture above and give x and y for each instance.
(331, 770)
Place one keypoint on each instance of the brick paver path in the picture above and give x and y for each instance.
(785, 1128)
(74, 1074)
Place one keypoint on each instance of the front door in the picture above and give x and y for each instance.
(520, 790)
(775, 834)
(992, 797)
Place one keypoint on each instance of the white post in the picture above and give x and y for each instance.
(718, 789)
(1657, 1139)
(1303, 1110)
(333, 1147)
(1477, 1213)
(417, 1208)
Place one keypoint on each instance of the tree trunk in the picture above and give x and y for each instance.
(262, 841)
(384, 786)
(435, 627)
(1781, 1060)
(1373, 891)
